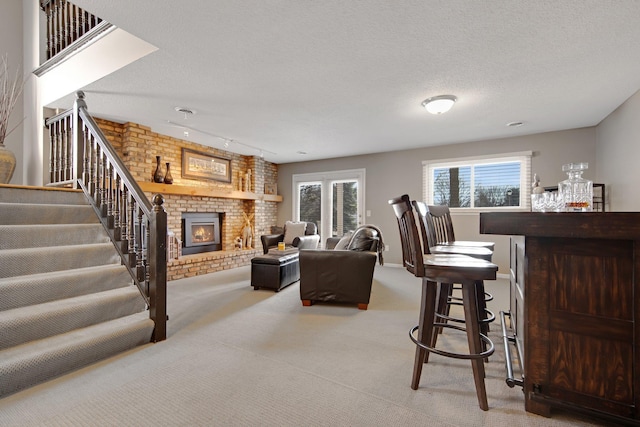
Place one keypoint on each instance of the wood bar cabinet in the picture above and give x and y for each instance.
(575, 308)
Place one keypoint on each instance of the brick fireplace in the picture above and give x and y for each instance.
(138, 147)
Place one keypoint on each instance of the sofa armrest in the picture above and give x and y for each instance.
(270, 241)
(307, 242)
(336, 275)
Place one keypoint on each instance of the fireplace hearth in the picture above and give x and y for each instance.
(201, 232)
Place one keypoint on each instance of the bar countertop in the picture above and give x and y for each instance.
(593, 225)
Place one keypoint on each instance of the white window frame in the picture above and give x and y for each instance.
(524, 157)
(327, 179)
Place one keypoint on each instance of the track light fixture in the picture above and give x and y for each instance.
(225, 141)
(186, 111)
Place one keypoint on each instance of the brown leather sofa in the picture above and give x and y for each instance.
(341, 275)
(309, 240)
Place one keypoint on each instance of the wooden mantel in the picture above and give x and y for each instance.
(184, 190)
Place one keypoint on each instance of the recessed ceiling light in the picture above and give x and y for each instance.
(439, 104)
(515, 124)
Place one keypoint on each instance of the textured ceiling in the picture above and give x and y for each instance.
(345, 77)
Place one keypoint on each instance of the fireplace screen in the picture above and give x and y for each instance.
(201, 232)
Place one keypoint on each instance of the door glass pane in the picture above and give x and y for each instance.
(344, 207)
(310, 203)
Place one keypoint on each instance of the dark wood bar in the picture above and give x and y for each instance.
(575, 302)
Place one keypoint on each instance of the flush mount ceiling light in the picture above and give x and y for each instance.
(439, 104)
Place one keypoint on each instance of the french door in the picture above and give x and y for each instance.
(334, 201)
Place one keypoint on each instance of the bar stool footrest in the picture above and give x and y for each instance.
(483, 355)
(487, 297)
(489, 317)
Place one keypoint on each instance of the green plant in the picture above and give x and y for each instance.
(10, 90)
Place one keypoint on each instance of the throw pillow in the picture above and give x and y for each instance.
(293, 230)
(344, 241)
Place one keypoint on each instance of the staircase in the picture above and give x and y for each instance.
(65, 299)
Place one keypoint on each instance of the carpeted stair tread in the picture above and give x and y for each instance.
(43, 235)
(20, 262)
(32, 363)
(25, 324)
(66, 299)
(27, 213)
(48, 195)
(19, 291)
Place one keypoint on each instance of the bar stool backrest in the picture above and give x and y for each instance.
(437, 220)
(412, 257)
(427, 226)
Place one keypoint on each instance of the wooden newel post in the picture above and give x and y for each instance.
(158, 268)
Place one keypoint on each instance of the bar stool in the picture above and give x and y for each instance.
(435, 269)
(441, 228)
(438, 235)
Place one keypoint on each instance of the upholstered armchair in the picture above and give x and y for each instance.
(343, 273)
(301, 235)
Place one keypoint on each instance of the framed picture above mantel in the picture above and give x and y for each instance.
(199, 165)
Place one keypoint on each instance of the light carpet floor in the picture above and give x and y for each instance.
(239, 357)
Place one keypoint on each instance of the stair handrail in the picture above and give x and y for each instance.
(83, 157)
(94, 129)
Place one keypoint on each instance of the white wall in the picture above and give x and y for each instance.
(618, 155)
(11, 44)
(34, 43)
(394, 173)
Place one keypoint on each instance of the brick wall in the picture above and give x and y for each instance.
(138, 147)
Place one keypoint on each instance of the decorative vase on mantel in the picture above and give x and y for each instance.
(168, 179)
(158, 175)
(7, 164)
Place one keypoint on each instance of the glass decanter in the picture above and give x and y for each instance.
(576, 192)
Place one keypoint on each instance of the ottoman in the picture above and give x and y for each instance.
(274, 271)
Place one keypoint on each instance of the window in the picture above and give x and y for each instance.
(479, 182)
(333, 200)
